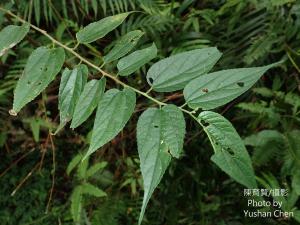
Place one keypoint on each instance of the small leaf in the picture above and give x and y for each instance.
(88, 101)
(12, 35)
(230, 153)
(41, 68)
(173, 129)
(136, 60)
(35, 128)
(74, 162)
(76, 204)
(174, 72)
(90, 189)
(221, 87)
(99, 29)
(113, 112)
(95, 168)
(123, 46)
(153, 152)
(71, 85)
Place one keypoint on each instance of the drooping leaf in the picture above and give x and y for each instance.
(76, 204)
(71, 85)
(99, 29)
(173, 129)
(88, 101)
(153, 152)
(230, 153)
(74, 162)
(90, 189)
(174, 72)
(136, 60)
(12, 35)
(41, 68)
(95, 168)
(215, 89)
(123, 46)
(113, 112)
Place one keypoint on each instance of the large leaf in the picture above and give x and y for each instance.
(123, 46)
(12, 35)
(173, 129)
(70, 88)
(113, 112)
(41, 68)
(174, 72)
(153, 152)
(99, 29)
(230, 153)
(215, 89)
(136, 60)
(88, 101)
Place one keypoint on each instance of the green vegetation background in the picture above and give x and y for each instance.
(193, 191)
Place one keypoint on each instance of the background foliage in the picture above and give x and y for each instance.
(193, 190)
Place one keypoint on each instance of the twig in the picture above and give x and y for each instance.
(53, 174)
(25, 178)
(16, 162)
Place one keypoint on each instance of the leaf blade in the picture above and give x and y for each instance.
(123, 46)
(153, 154)
(230, 153)
(136, 60)
(88, 101)
(215, 89)
(99, 29)
(174, 72)
(12, 35)
(41, 68)
(114, 110)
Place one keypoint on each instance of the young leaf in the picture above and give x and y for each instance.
(71, 85)
(12, 35)
(153, 152)
(76, 206)
(123, 46)
(90, 189)
(113, 112)
(88, 101)
(99, 29)
(173, 129)
(215, 89)
(230, 153)
(41, 68)
(136, 60)
(95, 168)
(174, 72)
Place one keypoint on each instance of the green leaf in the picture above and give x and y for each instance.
(41, 68)
(12, 35)
(99, 29)
(174, 72)
(88, 101)
(153, 152)
(76, 204)
(74, 162)
(123, 46)
(215, 89)
(35, 128)
(71, 85)
(230, 153)
(95, 168)
(90, 189)
(173, 129)
(113, 112)
(136, 60)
